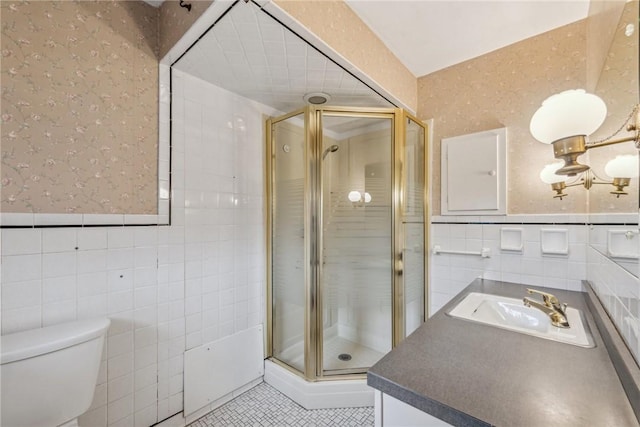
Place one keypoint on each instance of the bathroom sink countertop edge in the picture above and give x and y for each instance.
(471, 374)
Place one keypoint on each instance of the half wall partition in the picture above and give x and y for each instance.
(346, 219)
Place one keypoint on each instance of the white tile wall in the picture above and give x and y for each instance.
(165, 288)
(619, 292)
(218, 238)
(452, 273)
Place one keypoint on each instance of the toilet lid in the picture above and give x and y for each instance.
(35, 342)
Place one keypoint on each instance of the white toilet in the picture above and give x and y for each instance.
(49, 375)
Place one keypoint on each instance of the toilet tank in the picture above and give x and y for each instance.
(49, 375)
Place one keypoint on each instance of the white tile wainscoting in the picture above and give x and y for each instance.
(619, 292)
(450, 273)
(133, 275)
(167, 289)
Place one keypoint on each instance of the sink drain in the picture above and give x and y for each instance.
(344, 357)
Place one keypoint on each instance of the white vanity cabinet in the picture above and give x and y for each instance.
(391, 412)
(473, 174)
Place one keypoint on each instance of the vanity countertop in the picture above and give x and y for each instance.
(469, 374)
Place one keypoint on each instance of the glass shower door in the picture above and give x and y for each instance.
(413, 223)
(346, 214)
(287, 243)
(356, 241)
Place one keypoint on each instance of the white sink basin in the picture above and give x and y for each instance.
(512, 314)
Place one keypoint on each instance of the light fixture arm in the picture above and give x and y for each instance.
(634, 138)
(587, 180)
(634, 126)
(570, 148)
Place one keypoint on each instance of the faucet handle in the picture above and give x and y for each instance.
(549, 300)
(563, 307)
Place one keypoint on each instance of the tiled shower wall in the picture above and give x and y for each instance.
(168, 288)
(221, 189)
(617, 288)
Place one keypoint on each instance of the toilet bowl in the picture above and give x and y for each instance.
(48, 375)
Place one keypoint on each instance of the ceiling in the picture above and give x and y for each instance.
(429, 35)
(251, 54)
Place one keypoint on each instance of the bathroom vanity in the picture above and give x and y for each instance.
(452, 371)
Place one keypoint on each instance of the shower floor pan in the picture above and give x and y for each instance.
(335, 347)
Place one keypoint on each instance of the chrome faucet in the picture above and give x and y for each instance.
(550, 306)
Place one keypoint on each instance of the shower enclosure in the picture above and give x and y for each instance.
(346, 219)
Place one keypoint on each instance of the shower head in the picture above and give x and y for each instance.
(331, 149)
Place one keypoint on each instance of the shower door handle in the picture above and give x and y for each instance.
(399, 267)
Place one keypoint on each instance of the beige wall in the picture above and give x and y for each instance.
(79, 107)
(79, 110)
(503, 89)
(618, 86)
(604, 16)
(338, 26)
(176, 20)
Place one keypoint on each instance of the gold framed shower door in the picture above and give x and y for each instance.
(312, 145)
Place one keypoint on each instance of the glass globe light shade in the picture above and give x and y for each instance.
(354, 196)
(548, 173)
(624, 166)
(367, 197)
(569, 113)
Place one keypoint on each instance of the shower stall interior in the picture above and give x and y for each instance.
(346, 198)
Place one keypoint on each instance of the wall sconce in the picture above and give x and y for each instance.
(548, 176)
(621, 169)
(565, 120)
(355, 196)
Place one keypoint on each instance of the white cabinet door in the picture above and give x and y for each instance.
(396, 413)
(474, 174)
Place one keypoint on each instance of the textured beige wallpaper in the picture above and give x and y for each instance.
(176, 20)
(79, 107)
(618, 87)
(601, 27)
(504, 88)
(338, 26)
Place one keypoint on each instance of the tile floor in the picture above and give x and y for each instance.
(265, 406)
